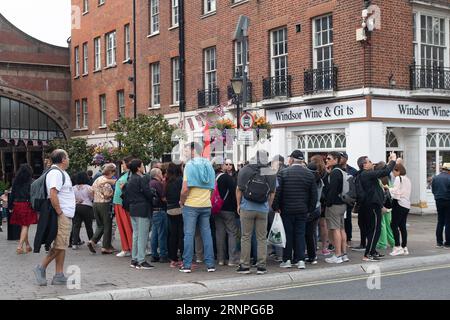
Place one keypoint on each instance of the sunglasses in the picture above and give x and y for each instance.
(228, 164)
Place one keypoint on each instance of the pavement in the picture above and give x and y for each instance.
(111, 278)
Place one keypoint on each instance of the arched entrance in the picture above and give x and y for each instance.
(25, 132)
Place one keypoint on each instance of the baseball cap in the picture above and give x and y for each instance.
(446, 166)
(297, 154)
(344, 155)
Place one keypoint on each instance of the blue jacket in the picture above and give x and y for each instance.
(200, 174)
(441, 186)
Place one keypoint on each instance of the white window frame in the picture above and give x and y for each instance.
(274, 57)
(322, 47)
(156, 84)
(103, 110)
(121, 103)
(209, 6)
(100, 2)
(175, 13)
(418, 40)
(127, 41)
(176, 81)
(77, 114)
(77, 61)
(84, 107)
(154, 20)
(85, 58)
(85, 6)
(238, 57)
(97, 53)
(111, 47)
(306, 135)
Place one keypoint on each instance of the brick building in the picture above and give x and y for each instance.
(34, 98)
(101, 51)
(321, 86)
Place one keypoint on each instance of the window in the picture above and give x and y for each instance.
(156, 79)
(438, 153)
(323, 42)
(121, 103)
(176, 81)
(100, 2)
(430, 40)
(279, 62)
(209, 6)
(175, 13)
(321, 143)
(154, 16)
(85, 113)
(103, 110)
(97, 54)
(238, 61)
(210, 69)
(111, 49)
(77, 115)
(77, 61)
(85, 58)
(127, 42)
(85, 6)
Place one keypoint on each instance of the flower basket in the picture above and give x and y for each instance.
(261, 124)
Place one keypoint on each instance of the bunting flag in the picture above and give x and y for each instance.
(191, 124)
(200, 122)
(207, 142)
(219, 110)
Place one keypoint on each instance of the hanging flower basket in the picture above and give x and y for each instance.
(262, 124)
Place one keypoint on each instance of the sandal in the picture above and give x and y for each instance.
(29, 249)
(20, 251)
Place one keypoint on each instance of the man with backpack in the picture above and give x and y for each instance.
(372, 200)
(62, 203)
(296, 197)
(348, 216)
(254, 195)
(336, 207)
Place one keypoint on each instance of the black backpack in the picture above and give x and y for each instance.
(124, 195)
(359, 193)
(257, 188)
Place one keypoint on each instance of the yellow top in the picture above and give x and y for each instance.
(197, 197)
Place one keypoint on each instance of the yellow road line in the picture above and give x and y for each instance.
(318, 283)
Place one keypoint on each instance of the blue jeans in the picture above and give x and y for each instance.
(159, 234)
(191, 218)
(140, 237)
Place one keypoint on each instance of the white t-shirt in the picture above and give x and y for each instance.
(66, 195)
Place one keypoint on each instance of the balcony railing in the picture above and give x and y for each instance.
(277, 87)
(429, 77)
(208, 98)
(249, 92)
(319, 80)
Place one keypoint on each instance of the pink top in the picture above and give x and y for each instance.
(402, 191)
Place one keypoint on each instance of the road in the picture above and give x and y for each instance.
(426, 283)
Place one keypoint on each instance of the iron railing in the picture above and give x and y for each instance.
(207, 98)
(277, 87)
(318, 80)
(424, 77)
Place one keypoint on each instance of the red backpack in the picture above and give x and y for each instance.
(216, 199)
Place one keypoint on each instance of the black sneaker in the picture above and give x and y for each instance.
(261, 270)
(359, 248)
(331, 247)
(163, 260)
(242, 270)
(155, 259)
(133, 264)
(254, 263)
(211, 269)
(378, 255)
(371, 259)
(91, 247)
(185, 270)
(144, 265)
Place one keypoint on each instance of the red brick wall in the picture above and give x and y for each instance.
(35, 67)
(113, 15)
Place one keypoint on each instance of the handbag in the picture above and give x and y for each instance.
(388, 201)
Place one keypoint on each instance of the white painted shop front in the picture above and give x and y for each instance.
(418, 131)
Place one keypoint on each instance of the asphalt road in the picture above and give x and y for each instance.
(427, 283)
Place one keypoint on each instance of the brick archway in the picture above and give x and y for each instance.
(38, 104)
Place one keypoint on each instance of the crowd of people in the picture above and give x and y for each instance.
(208, 212)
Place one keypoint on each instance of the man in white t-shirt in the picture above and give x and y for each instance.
(62, 198)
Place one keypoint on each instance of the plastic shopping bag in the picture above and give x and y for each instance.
(277, 235)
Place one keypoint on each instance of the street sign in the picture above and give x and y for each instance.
(247, 121)
(245, 137)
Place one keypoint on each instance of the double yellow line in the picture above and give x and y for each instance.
(319, 283)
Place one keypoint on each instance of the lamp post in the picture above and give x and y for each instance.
(236, 84)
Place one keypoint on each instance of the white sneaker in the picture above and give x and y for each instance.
(345, 258)
(221, 263)
(301, 265)
(286, 264)
(397, 251)
(122, 254)
(334, 259)
(405, 251)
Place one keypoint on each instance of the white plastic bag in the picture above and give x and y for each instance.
(277, 235)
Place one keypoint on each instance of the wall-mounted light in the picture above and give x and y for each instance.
(392, 82)
(131, 95)
(130, 79)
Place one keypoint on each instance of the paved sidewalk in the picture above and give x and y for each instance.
(101, 273)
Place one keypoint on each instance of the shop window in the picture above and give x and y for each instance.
(431, 140)
(313, 144)
(444, 140)
(341, 141)
(391, 140)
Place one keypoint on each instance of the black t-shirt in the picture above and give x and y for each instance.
(227, 183)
